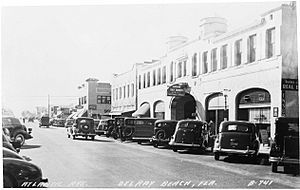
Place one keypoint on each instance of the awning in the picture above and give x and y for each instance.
(143, 110)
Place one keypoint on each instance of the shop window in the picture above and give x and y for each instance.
(148, 79)
(159, 76)
(194, 65)
(132, 89)
(164, 75)
(144, 81)
(154, 78)
(184, 68)
(238, 52)
(205, 62)
(224, 56)
(103, 99)
(140, 81)
(252, 48)
(270, 42)
(179, 70)
(171, 72)
(214, 60)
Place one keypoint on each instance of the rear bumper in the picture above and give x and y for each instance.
(234, 151)
(100, 132)
(142, 138)
(84, 134)
(283, 161)
(173, 144)
(160, 141)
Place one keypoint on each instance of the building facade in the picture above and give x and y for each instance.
(248, 74)
(95, 98)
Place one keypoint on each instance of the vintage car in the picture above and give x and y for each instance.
(45, 121)
(237, 138)
(58, 122)
(163, 131)
(70, 120)
(18, 172)
(110, 127)
(102, 127)
(16, 129)
(285, 147)
(190, 134)
(83, 126)
(139, 129)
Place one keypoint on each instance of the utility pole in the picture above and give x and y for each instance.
(49, 111)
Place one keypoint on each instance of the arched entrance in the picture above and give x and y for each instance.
(254, 105)
(183, 107)
(216, 110)
(159, 110)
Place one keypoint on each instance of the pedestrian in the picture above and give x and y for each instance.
(211, 127)
(23, 119)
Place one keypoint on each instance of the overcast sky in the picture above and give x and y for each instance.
(53, 49)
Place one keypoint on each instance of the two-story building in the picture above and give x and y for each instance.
(247, 74)
(94, 98)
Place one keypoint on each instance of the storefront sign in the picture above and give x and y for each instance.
(289, 84)
(92, 107)
(283, 104)
(177, 89)
(264, 136)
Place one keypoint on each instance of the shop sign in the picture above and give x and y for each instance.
(92, 107)
(289, 84)
(283, 103)
(177, 89)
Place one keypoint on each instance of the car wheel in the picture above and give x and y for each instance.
(7, 182)
(217, 156)
(174, 150)
(93, 138)
(69, 136)
(139, 142)
(21, 137)
(107, 135)
(274, 167)
(73, 136)
(155, 145)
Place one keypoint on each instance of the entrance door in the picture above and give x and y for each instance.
(183, 107)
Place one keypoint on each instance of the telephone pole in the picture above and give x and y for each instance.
(49, 106)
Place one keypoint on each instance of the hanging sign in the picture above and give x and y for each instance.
(289, 84)
(178, 89)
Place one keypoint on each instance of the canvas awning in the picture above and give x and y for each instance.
(143, 110)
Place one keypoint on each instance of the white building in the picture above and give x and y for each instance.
(247, 74)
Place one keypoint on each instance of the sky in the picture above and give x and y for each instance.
(52, 49)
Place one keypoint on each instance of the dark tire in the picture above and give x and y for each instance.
(74, 137)
(107, 135)
(217, 156)
(155, 145)
(174, 150)
(21, 137)
(160, 135)
(93, 138)
(69, 136)
(274, 167)
(7, 182)
(139, 142)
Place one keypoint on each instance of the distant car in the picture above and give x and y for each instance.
(285, 147)
(237, 138)
(70, 120)
(138, 129)
(59, 122)
(17, 131)
(190, 134)
(163, 131)
(17, 172)
(83, 126)
(44, 121)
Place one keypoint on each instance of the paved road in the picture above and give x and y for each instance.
(109, 163)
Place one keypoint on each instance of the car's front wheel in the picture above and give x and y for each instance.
(93, 138)
(274, 167)
(20, 137)
(174, 150)
(73, 136)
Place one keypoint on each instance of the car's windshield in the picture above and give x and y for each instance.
(10, 121)
(237, 128)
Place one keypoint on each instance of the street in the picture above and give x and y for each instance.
(106, 162)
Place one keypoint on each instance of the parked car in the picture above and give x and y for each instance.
(190, 134)
(102, 127)
(58, 122)
(44, 121)
(83, 126)
(285, 147)
(7, 143)
(139, 129)
(163, 131)
(18, 172)
(237, 138)
(17, 131)
(70, 120)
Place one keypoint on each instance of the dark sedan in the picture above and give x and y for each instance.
(163, 131)
(16, 129)
(17, 172)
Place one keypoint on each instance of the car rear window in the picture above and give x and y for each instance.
(10, 121)
(191, 125)
(237, 128)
